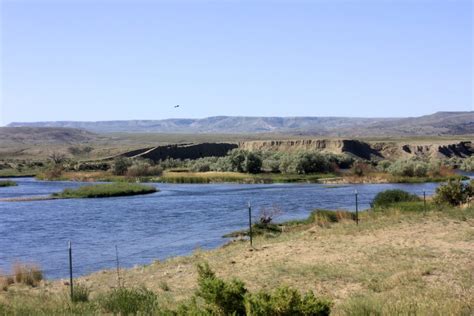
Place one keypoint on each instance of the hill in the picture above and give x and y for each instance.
(44, 136)
(440, 123)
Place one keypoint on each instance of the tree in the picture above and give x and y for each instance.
(57, 158)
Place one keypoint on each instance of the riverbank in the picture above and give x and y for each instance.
(247, 178)
(396, 261)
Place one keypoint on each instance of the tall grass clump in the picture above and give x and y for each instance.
(7, 183)
(106, 190)
(5, 282)
(27, 274)
(81, 293)
(324, 217)
(129, 301)
(389, 197)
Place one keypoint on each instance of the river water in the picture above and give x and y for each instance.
(174, 221)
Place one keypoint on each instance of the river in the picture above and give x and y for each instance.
(174, 221)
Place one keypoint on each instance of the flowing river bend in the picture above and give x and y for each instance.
(174, 221)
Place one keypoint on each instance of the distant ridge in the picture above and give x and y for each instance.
(440, 123)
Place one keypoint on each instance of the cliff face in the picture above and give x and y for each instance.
(365, 150)
(355, 148)
(182, 151)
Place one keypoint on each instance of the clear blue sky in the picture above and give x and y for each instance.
(107, 60)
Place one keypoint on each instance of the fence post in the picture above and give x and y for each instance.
(118, 265)
(250, 225)
(424, 202)
(357, 206)
(70, 272)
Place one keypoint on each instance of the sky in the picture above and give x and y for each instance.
(87, 60)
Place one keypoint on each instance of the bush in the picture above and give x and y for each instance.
(222, 298)
(389, 197)
(454, 192)
(285, 301)
(413, 168)
(129, 301)
(141, 168)
(311, 162)
(232, 298)
(467, 164)
(252, 163)
(121, 165)
(360, 168)
(383, 165)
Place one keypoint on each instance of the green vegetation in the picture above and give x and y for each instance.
(454, 193)
(129, 301)
(7, 183)
(390, 197)
(467, 164)
(212, 177)
(395, 261)
(106, 190)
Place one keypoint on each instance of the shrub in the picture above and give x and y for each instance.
(389, 197)
(53, 172)
(360, 168)
(252, 163)
(285, 301)
(468, 164)
(80, 293)
(383, 165)
(129, 301)
(224, 298)
(454, 192)
(311, 162)
(121, 165)
(410, 168)
(27, 274)
(236, 159)
(141, 168)
(201, 166)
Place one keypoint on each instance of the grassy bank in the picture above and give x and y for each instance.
(216, 177)
(105, 190)
(396, 261)
(237, 177)
(7, 183)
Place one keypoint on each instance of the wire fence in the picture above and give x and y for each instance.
(115, 256)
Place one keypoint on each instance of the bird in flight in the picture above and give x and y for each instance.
(176, 106)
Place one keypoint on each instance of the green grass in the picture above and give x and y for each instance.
(106, 190)
(11, 173)
(7, 183)
(213, 177)
(427, 179)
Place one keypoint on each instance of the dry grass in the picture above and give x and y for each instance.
(392, 263)
(5, 281)
(28, 274)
